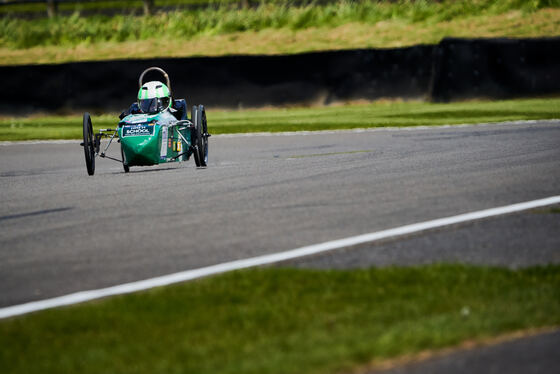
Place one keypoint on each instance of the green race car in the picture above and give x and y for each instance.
(154, 130)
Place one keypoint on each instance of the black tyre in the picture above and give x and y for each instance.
(89, 144)
(203, 146)
(200, 136)
(125, 165)
(196, 134)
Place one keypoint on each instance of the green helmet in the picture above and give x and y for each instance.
(154, 97)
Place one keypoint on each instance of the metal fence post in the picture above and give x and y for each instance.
(148, 7)
(52, 8)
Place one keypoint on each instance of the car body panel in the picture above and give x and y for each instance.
(153, 139)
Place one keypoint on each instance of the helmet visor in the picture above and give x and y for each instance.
(150, 105)
(154, 105)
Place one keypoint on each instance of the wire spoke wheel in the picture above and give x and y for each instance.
(89, 144)
(200, 136)
(203, 140)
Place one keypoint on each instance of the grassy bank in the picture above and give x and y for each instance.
(282, 321)
(272, 28)
(378, 114)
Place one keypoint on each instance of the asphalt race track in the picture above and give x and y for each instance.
(62, 231)
(533, 354)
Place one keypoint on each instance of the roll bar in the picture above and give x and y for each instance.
(162, 72)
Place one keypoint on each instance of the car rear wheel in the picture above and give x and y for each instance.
(89, 145)
(200, 136)
(203, 143)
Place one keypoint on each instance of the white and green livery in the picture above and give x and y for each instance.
(154, 130)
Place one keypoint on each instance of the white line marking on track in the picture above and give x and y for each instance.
(187, 275)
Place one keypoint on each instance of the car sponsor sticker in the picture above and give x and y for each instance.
(138, 130)
(137, 118)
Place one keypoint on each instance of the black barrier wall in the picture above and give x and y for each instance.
(495, 68)
(235, 81)
(454, 69)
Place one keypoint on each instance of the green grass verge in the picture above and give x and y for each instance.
(378, 114)
(274, 27)
(180, 25)
(282, 321)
